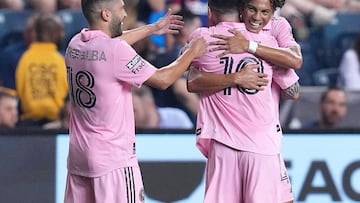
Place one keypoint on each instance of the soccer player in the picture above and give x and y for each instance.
(102, 69)
(288, 57)
(233, 125)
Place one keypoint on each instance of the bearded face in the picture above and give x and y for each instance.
(116, 26)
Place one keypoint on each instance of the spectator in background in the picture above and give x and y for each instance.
(142, 47)
(158, 10)
(340, 5)
(149, 116)
(178, 92)
(143, 10)
(303, 14)
(69, 4)
(10, 55)
(333, 108)
(42, 6)
(191, 22)
(41, 74)
(349, 69)
(8, 108)
(17, 5)
(197, 7)
(177, 95)
(63, 121)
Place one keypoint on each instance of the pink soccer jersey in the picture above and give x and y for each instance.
(280, 28)
(239, 118)
(283, 78)
(102, 131)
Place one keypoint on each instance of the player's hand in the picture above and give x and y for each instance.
(235, 44)
(197, 46)
(169, 24)
(250, 78)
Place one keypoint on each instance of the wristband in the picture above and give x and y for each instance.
(252, 47)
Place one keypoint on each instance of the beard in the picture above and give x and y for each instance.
(116, 27)
(333, 118)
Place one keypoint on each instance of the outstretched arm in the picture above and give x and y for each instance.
(167, 75)
(289, 57)
(169, 24)
(200, 81)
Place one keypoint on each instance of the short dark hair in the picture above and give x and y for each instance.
(186, 14)
(329, 89)
(223, 6)
(48, 27)
(89, 8)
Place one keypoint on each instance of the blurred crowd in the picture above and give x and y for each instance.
(33, 84)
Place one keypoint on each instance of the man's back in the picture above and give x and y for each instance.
(101, 72)
(242, 119)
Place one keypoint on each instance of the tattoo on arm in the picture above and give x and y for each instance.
(292, 91)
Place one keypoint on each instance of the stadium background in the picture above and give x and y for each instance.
(324, 166)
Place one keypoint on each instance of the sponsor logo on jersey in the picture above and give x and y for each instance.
(133, 62)
(136, 64)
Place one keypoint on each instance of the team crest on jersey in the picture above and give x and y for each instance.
(242, 65)
(133, 62)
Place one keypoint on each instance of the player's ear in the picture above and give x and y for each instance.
(210, 15)
(105, 14)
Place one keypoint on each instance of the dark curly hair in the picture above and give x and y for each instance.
(274, 3)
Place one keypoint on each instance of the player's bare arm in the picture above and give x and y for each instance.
(292, 92)
(200, 81)
(289, 57)
(169, 24)
(166, 76)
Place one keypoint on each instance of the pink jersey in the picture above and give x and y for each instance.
(101, 72)
(239, 118)
(280, 28)
(283, 78)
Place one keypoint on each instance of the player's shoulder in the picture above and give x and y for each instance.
(278, 21)
(200, 32)
(278, 18)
